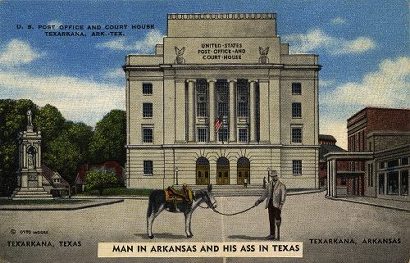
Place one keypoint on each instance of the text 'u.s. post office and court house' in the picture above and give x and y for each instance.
(222, 100)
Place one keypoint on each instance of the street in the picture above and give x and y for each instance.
(308, 218)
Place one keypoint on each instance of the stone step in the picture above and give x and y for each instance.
(37, 189)
(31, 193)
(33, 197)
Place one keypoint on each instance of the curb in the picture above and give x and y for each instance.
(366, 203)
(54, 208)
(110, 197)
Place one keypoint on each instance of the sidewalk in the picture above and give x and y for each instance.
(60, 206)
(379, 202)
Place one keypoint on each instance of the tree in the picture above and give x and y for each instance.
(99, 180)
(50, 122)
(109, 138)
(70, 149)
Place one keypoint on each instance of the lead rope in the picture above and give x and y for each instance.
(225, 214)
(237, 213)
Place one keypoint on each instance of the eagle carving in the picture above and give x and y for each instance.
(263, 52)
(179, 55)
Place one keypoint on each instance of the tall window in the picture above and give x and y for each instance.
(297, 167)
(381, 184)
(296, 134)
(147, 88)
(147, 134)
(404, 181)
(202, 134)
(243, 135)
(296, 110)
(223, 135)
(148, 167)
(147, 110)
(222, 97)
(201, 98)
(296, 88)
(393, 183)
(242, 97)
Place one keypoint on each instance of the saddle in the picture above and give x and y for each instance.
(173, 195)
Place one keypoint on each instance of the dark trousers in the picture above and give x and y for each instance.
(274, 217)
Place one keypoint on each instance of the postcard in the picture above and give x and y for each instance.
(198, 131)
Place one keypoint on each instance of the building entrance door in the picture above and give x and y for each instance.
(243, 170)
(202, 171)
(355, 185)
(222, 171)
(202, 176)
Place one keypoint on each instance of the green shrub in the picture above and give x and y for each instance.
(99, 180)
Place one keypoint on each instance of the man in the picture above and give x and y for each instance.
(275, 195)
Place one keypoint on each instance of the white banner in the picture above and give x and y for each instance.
(201, 249)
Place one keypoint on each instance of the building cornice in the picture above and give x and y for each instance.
(217, 146)
(221, 16)
(349, 156)
(218, 67)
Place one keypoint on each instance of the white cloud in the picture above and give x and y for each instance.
(337, 128)
(338, 21)
(56, 24)
(145, 45)
(316, 38)
(115, 74)
(387, 87)
(323, 83)
(16, 53)
(77, 99)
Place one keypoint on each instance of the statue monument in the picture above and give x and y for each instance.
(29, 173)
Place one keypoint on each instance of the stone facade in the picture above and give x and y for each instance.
(227, 67)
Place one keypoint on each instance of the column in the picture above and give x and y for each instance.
(334, 178)
(180, 112)
(191, 110)
(212, 112)
(328, 178)
(24, 156)
(232, 111)
(252, 117)
(264, 111)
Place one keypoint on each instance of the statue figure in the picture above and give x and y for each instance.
(263, 59)
(31, 157)
(179, 52)
(29, 118)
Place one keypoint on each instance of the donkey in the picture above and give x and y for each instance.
(157, 204)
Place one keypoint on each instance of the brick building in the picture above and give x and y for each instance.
(327, 145)
(377, 161)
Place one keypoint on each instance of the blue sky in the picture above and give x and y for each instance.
(363, 48)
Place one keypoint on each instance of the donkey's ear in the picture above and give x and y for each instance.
(209, 187)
